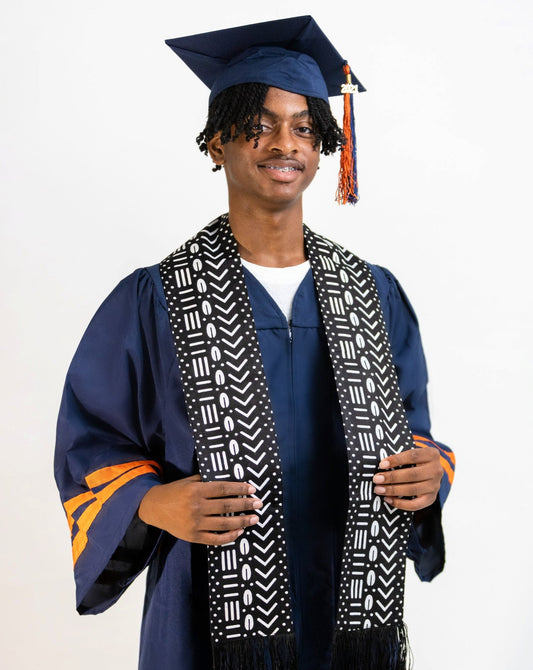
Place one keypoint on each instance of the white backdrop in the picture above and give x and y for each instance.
(100, 174)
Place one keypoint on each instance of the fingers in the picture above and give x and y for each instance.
(221, 511)
(226, 489)
(413, 490)
(416, 481)
(416, 456)
(216, 539)
(411, 505)
(230, 505)
(223, 524)
(419, 473)
(215, 498)
(218, 489)
(218, 529)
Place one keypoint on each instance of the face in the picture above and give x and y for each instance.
(281, 167)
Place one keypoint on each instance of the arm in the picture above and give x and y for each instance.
(111, 451)
(110, 447)
(430, 478)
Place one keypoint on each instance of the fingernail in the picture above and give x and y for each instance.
(257, 504)
(379, 489)
(388, 500)
(241, 531)
(253, 519)
(251, 489)
(384, 465)
(379, 479)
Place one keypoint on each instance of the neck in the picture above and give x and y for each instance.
(269, 238)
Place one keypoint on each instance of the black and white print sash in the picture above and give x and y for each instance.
(375, 426)
(231, 418)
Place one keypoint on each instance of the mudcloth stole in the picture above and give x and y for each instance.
(233, 427)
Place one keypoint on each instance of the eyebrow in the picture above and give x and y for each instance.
(298, 115)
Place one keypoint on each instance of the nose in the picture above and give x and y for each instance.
(281, 140)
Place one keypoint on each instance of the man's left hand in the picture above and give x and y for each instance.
(414, 487)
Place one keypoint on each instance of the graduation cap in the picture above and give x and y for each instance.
(293, 54)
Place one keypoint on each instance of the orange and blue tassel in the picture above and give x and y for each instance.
(347, 190)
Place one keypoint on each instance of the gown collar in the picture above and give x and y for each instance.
(267, 314)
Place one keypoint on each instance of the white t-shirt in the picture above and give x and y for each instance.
(281, 283)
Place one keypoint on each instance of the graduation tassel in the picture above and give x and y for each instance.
(347, 190)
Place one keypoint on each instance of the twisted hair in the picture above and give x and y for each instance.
(237, 111)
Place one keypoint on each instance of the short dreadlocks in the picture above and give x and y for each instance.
(237, 109)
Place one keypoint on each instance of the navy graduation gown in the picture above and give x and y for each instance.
(123, 428)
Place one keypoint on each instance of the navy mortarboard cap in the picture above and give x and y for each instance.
(287, 53)
(293, 54)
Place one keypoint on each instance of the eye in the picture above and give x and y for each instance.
(261, 127)
(305, 130)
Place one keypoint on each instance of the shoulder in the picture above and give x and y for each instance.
(393, 298)
(142, 286)
(132, 306)
(153, 276)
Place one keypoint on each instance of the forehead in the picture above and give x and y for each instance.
(279, 102)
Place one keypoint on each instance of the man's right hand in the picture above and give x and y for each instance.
(193, 510)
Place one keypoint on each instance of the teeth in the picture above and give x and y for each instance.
(281, 169)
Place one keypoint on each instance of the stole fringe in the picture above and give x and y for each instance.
(256, 653)
(383, 648)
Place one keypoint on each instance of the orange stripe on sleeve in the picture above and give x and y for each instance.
(72, 505)
(448, 469)
(105, 475)
(447, 453)
(79, 542)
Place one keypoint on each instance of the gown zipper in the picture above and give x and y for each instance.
(293, 492)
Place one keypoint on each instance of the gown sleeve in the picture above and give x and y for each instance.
(426, 541)
(110, 445)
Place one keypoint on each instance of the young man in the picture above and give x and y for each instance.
(241, 417)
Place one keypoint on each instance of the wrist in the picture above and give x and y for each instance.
(146, 509)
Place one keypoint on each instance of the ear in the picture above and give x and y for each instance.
(216, 150)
